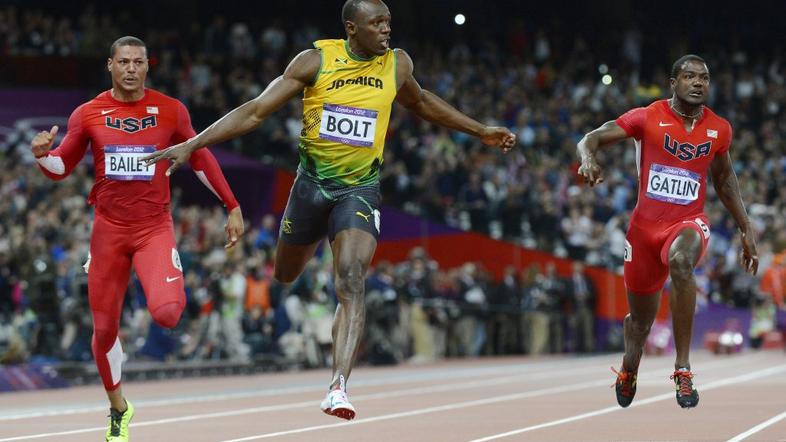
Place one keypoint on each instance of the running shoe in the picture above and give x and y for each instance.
(687, 395)
(337, 404)
(625, 386)
(118, 424)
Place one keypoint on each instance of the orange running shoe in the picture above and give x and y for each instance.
(625, 386)
(687, 395)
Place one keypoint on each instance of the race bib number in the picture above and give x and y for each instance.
(673, 185)
(348, 125)
(124, 163)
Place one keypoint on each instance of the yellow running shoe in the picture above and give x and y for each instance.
(118, 424)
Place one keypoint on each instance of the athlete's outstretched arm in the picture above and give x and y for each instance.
(607, 134)
(431, 108)
(302, 70)
(206, 168)
(728, 189)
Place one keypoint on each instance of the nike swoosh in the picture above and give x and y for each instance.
(662, 124)
(104, 112)
(168, 279)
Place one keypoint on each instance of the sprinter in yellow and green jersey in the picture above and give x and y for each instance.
(346, 113)
(349, 87)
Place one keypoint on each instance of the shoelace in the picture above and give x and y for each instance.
(115, 423)
(116, 420)
(341, 397)
(626, 378)
(684, 380)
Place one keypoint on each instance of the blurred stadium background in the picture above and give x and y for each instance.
(481, 254)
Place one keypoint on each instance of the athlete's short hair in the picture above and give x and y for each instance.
(125, 41)
(676, 68)
(350, 9)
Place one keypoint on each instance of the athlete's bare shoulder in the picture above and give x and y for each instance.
(305, 66)
(403, 60)
(404, 67)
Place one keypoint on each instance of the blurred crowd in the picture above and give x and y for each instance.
(236, 311)
(548, 91)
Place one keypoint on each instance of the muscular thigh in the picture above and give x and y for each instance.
(694, 245)
(356, 208)
(108, 269)
(644, 273)
(305, 219)
(157, 264)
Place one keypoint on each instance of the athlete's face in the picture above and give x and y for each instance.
(692, 84)
(128, 68)
(371, 27)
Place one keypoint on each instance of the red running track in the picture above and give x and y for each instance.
(743, 397)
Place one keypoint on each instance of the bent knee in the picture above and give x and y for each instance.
(639, 325)
(104, 339)
(168, 315)
(680, 265)
(350, 277)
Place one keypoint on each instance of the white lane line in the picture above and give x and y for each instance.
(487, 401)
(709, 386)
(509, 397)
(398, 393)
(313, 403)
(381, 379)
(758, 428)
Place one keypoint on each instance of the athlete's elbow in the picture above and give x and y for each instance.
(258, 111)
(591, 139)
(411, 105)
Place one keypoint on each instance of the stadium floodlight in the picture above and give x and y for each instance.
(460, 19)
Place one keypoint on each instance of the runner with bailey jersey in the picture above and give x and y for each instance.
(132, 223)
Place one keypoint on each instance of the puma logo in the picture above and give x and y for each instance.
(360, 214)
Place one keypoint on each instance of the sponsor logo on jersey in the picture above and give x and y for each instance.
(131, 124)
(686, 151)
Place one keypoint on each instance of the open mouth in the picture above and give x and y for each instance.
(696, 94)
(385, 43)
